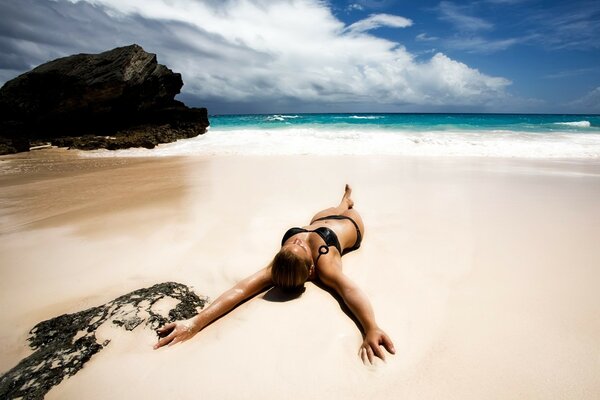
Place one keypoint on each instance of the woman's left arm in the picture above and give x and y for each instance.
(330, 273)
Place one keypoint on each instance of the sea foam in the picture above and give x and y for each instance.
(365, 117)
(278, 117)
(307, 140)
(578, 124)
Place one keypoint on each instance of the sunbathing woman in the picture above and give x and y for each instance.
(310, 253)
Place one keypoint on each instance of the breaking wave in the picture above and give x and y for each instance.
(578, 124)
(312, 140)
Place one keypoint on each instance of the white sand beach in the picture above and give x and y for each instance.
(483, 271)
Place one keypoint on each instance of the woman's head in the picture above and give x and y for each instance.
(290, 268)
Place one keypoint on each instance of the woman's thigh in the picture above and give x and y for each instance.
(326, 213)
(352, 213)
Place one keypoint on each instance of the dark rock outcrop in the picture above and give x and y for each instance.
(117, 99)
(64, 344)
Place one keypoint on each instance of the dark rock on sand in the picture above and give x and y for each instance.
(64, 344)
(117, 99)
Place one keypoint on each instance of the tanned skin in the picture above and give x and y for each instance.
(328, 271)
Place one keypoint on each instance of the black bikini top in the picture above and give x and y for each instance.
(328, 236)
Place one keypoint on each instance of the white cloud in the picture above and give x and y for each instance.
(589, 103)
(457, 16)
(571, 72)
(481, 45)
(445, 81)
(422, 37)
(566, 27)
(378, 20)
(354, 6)
(376, 4)
(265, 52)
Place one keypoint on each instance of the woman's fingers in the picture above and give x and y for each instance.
(166, 328)
(179, 332)
(366, 354)
(370, 354)
(363, 354)
(387, 343)
(377, 350)
(166, 340)
(174, 332)
(176, 340)
(374, 344)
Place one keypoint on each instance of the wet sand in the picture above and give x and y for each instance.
(483, 271)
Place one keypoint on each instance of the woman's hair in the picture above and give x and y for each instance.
(288, 271)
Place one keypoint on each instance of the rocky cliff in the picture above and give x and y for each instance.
(117, 99)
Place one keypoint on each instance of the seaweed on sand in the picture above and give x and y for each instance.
(65, 343)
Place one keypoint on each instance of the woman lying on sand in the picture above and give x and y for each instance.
(310, 253)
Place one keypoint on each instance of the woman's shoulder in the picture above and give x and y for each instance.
(329, 269)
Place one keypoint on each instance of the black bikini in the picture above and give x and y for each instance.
(328, 236)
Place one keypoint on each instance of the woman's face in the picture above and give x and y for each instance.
(300, 248)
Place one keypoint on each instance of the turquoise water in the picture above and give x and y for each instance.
(534, 123)
(429, 135)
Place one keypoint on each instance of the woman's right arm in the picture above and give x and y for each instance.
(243, 290)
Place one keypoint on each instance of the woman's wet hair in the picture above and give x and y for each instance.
(289, 271)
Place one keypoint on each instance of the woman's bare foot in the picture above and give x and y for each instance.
(347, 200)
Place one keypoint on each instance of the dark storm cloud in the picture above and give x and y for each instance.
(40, 31)
(250, 56)
(33, 32)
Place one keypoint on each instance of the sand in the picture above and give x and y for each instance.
(484, 272)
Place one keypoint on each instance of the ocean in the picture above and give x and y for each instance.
(470, 135)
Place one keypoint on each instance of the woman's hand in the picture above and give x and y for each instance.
(183, 330)
(371, 345)
(176, 332)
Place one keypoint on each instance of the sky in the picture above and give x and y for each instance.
(292, 56)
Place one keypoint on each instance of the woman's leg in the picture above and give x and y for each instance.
(345, 208)
(345, 204)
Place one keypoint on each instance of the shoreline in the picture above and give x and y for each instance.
(481, 270)
(36, 171)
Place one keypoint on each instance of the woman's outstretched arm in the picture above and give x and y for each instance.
(330, 273)
(180, 331)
